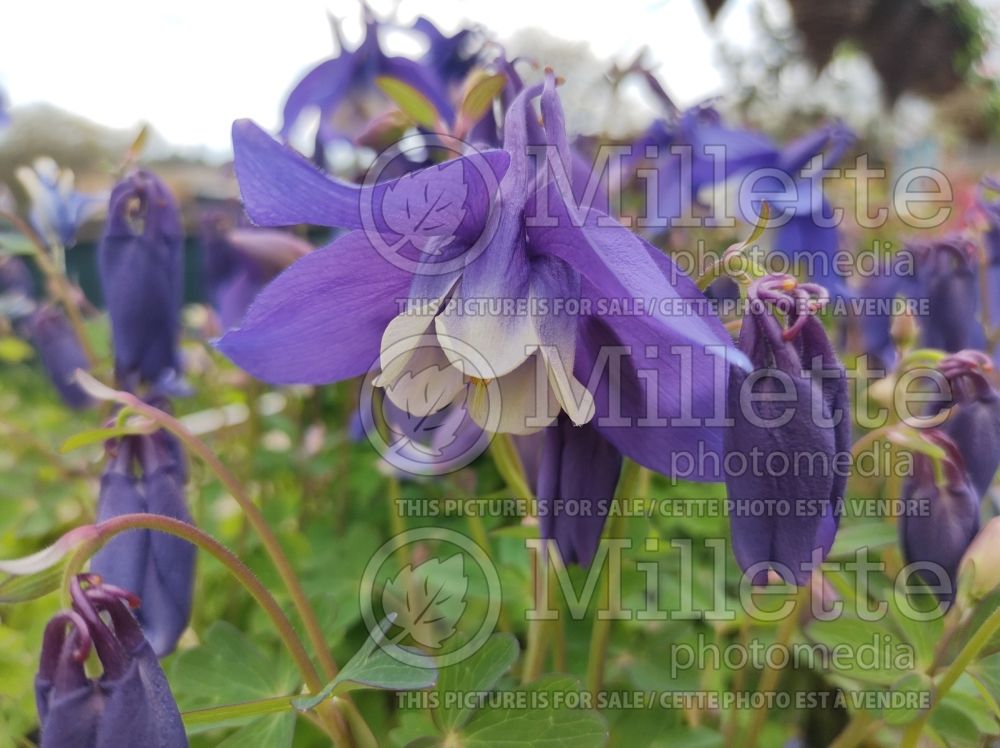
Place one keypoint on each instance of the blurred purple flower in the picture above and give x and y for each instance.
(938, 521)
(322, 319)
(146, 474)
(719, 153)
(130, 703)
(141, 264)
(794, 403)
(60, 352)
(240, 261)
(343, 88)
(57, 210)
(4, 114)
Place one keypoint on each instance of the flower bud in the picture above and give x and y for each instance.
(577, 474)
(973, 422)
(129, 704)
(157, 568)
(979, 570)
(61, 354)
(784, 511)
(946, 273)
(938, 521)
(140, 260)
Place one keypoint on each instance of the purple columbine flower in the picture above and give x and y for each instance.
(339, 310)
(577, 475)
(973, 422)
(60, 353)
(939, 521)
(141, 265)
(720, 154)
(343, 88)
(792, 413)
(129, 704)
(57, 210)
(146, 474)
(17, 291)
(451, 57)
(239, 261)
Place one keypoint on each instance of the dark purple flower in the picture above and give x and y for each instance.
(947, 275)
(973, 422)
(696, 150)
(343, 88)
(333, 313)
(60, 353)
(790, 421)
(129, 704)
(577, 475)
(451, 57)
(939, 521)
(146, 474)
(141, 264)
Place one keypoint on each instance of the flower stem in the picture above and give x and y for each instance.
(57, 281)
(771, 676)
(600, 633)
(253, 585)
(965, 658)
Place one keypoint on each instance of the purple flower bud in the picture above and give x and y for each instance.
(789, 421)
(577, 475)
(157, 568)
(946, 274)
(938, 522)
(974, 421)
(61, 354)
(141, 266)
(129, 704)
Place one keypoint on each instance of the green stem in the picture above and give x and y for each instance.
(859, 729)
(218, 715)
(965, 658)
(508, 464)
(58, 281)
(534, 655)
(246, 577)
(600, 633)
(772, 676)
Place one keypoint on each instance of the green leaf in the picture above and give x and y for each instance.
(96, 436)
(228, 669)
(480, 96)
(373, 667)
(428, 600)
(866, 651)
(40, 573)
(549, 719)
(410, 101)
(476, 675)
(275, 731)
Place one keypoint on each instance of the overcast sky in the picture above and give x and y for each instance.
(190, 67)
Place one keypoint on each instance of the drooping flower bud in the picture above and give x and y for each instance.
(973, 423)
(938, 521)
(141, 267)
(129, 704)
(577, 473)
(147, 474)
(790, 420)
(946, 274)
(60, 353)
